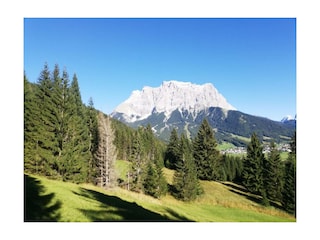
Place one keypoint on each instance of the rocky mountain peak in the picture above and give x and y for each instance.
(168, 97)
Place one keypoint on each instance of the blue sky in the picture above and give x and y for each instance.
(252, 62)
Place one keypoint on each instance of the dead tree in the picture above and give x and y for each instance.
(106, 153)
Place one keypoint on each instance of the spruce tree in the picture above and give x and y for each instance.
(273, 174)
(75, 92)
(150, 183)
(123, 140)
(46, 129)
(206, 154)
(230, 168)
(185, 182)
(92, 123)
(78, 145)
(172, 151)
(289, 188)
(253, 166)
(32, 159)
(226, 168)
(162, 183)
(148, 140)
(154, 183)
(60, 99)
(239, 169)
(57, 139)
(223, 174)
(137, 160)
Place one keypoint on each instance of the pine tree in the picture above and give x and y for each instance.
(172, 152)
(289, 188)
(253, 166)
(185, 182)
(206, 154)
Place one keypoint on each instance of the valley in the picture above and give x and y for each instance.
(227, 148)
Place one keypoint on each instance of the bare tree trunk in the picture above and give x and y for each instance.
(106, 153)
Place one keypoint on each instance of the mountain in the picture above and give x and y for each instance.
(183, 105)
(289, 120)
(167, 98)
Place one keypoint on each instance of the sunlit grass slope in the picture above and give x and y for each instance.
(86, 203)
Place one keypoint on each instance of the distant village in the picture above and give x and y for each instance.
(282, 147)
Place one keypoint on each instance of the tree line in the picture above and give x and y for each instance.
(145, 154)
(265, 175)
(268, 176)
(65, 139)
(59, 131)
(68, 140)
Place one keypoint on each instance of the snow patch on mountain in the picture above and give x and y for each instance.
(288, 118)
(170, 96)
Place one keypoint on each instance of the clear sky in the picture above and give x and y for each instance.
(252, 62)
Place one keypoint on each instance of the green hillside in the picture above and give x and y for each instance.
(51, 200)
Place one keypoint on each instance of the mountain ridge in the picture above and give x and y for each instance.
(171, 95)
(175, 109)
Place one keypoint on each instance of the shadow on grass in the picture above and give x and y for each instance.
(39, 207)
(177, 216)
(116, 209)
(252, 197)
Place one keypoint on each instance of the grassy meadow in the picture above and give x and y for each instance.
(51, 200)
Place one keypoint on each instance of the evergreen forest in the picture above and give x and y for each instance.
(68, 140)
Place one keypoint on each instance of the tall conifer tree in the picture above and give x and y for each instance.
(154, 183)
(206, 154)
(46, 130)
(78, 135)
(137, 162)
(289, 188)
(185, 181)
(32, 159)
(92, 123)
(273, 174)
(253, 166)
(172, 152)
(55, 127)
